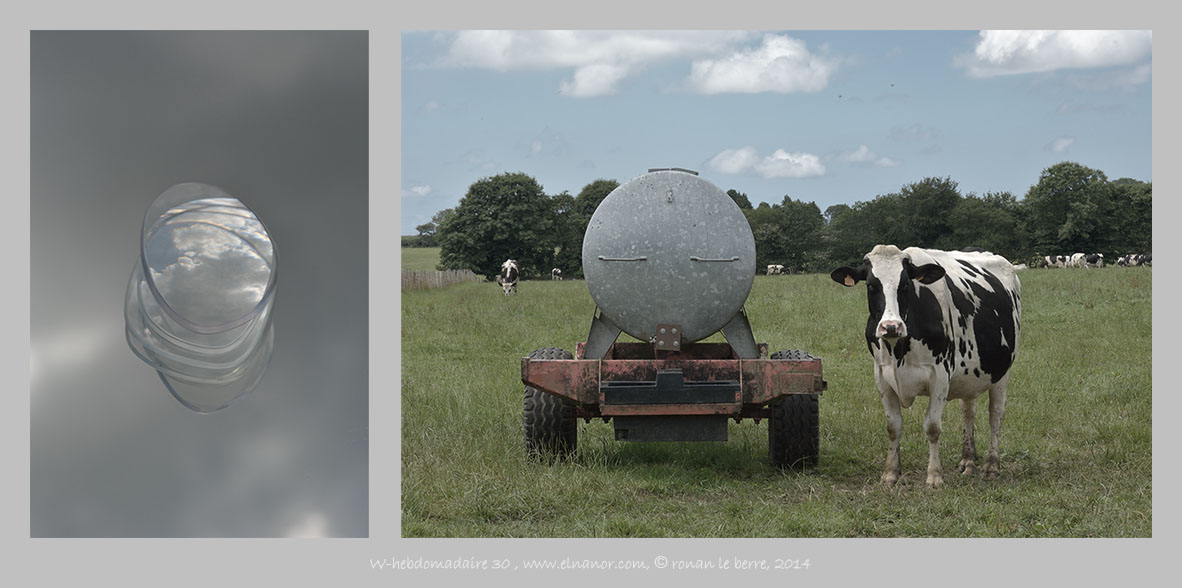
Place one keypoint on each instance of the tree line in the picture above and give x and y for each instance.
(1071, 208)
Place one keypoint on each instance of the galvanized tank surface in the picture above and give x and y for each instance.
(669, 248)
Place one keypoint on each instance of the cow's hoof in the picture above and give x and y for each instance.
(967, 467)
(992, 467)
(935, 480)
(889, 478)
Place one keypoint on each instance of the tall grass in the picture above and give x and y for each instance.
(1075, 448)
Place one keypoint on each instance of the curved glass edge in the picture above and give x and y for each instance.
(206, 398)
(177, 195)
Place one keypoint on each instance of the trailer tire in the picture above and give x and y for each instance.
(551, 429)
(794, 429)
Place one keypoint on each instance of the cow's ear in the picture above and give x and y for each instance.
(848, 276)
(926, 274)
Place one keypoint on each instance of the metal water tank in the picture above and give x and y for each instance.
(669, 248)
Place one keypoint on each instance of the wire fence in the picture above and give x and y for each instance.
(424, 279)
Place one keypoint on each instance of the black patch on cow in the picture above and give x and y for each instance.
(925, 321)
(964, 306)
(977, 374)
(969, 268)
(994, 327)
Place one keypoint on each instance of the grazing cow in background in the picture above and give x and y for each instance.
(1077, 260)
(1055, 261)
(1135, 259)
(775, 270)
(510, 272)
(555, 274)
(1094, 260)
(943, 324)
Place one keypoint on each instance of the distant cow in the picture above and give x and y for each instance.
(510, 272)
(1135, 259)
(1094, 260)
(943, 324)
(774, 270)
(555, 274)
(1055, 261)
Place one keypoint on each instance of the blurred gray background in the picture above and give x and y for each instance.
(279, 120)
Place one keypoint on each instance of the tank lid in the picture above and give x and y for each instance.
(680, 169)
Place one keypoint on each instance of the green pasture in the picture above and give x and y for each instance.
(420, 258)
(1075, 449)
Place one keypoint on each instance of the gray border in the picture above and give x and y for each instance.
(193, 561)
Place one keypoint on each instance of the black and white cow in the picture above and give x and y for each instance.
(775, 270)
(1055, 261)
(1094, 260)
(555, 274)
(943, 324)
(510, 272)
(1135, 259)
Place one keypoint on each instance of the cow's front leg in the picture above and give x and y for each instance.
(968, 450)
(932, 426)
(894, 418)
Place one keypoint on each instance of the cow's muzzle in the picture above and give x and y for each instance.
(892, 330)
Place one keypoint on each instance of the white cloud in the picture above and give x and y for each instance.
(780, 164)
(1018, 52)
(781, 64)
(864, 156)
(597, 79)
(600, 59)
(1060, 144)
(416, 191)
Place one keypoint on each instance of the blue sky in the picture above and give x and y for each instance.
(824, 116)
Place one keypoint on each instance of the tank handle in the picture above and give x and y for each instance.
(602, 258)
(696, 258)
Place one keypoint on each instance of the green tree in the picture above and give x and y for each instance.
(740, 199)
(990, 222)
(1068, 210)
(1132, 223)
(788, 233)
(926, 219)
(573, 227)
(502, 217)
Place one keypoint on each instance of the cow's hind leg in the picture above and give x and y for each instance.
(997, 414)
(968, 450)
(932, 426)
(894, 418)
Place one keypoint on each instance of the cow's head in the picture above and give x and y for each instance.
(888, 273)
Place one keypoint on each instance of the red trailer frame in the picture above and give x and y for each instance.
(760, 381)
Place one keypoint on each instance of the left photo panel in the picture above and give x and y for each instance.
(199, 284)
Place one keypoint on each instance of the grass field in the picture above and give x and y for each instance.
(1075, 448)
(420, 258)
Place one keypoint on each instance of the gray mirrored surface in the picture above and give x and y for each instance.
(278, 119)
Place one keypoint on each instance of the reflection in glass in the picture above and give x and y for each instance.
(198, 304)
